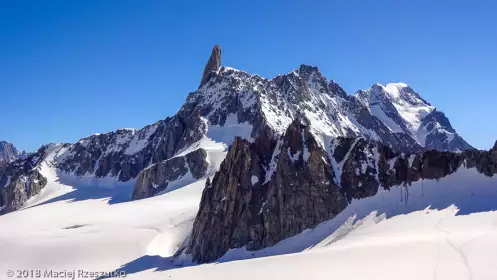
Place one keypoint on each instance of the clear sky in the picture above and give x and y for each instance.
(72, 68)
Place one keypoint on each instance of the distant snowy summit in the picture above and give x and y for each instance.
(407, 115)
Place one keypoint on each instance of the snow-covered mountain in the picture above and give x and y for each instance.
(405, 113)
(231, 103)
(252, 167)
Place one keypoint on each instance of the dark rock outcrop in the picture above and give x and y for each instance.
(159, 176)
(249, 205)
(213, 65)
(20, 190)
(484, 162)
(371, 164)
(21, 179)
(359, 169)
(302, 192)
(336, 89)
(224, 215)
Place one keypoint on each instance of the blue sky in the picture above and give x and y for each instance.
(72, 68)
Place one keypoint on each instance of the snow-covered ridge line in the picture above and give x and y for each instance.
(305, 93)
(232, 103)
(404, 111)
(236, 103)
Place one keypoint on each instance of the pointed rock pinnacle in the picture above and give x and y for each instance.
(213, 65)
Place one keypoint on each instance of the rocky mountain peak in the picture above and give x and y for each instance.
(409, 119)
(377, 86)
(261, 111)
(398, 93)
(393, 113)
(307, 69)
(8, 152)
(213, 65)
(336, 89)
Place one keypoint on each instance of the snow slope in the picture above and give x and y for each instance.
(91, 233)
(392, 235)
(427, 244)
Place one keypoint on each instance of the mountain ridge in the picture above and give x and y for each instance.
(230, 103)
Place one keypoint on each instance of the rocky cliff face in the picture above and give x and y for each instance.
(22, 179)
(255, 201)
(159, 176)
(8, 153)
(126, 152)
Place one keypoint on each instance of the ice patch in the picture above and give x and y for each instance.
(378, 112)
(293, 157)
(231, 128)
(254, 179)
(306, 153)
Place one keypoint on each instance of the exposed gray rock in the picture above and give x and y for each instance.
(223, 218)
(302, 192)
(484, 162)
(124, 153)
(368, 160)
(336, 89)
(246, 206)
(8, 153)
(157, 177)
(213, 65)
(20, 190)
(197, 163)
(359, 172)
(21, 179)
